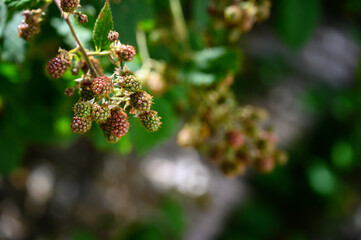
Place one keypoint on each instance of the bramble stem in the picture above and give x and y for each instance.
(103, 53)
(179, 22)
(77, 41)
(142, 45)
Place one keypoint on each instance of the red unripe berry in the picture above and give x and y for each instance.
(59, 65)
(80, 125)
(125, 52)
(102, 86)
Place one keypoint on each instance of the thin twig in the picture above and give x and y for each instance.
(77, 41)
(103, 53)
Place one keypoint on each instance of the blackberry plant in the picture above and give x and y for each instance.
(103, 99)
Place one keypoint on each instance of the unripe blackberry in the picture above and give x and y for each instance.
(86, 94)
(150, 121)
(186, 137)
(119, 124)
(125, 52)
(155, 83)
(265, 165)
(100, 113)
(102, 86)
(82, 109)
(28, 29)
(131, 83)
(69, 92)
(232, 168)
(123, 72)
(58, 65)
(96, 63)
(82, 18)
(69, 6)
(80, 125)
(141, 100)
(106, 126)
(233, 14)
(75, 71)
(235, 139)
(113, 36)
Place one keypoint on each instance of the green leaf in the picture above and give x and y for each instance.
(21, 4)
(3, 16)
(201, 79)
(103, 25)
(296, 20)
(14, 46)
(219, 59)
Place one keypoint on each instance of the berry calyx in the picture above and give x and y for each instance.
(59, 65)
(131, 83)
(82, 109)
(80, 125)
(102, 86)
(100, 113)
(69, 6)
(150, 121)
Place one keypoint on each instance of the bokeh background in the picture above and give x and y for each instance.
(302, 65)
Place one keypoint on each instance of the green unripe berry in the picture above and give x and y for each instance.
(82, 109)
(150, 121)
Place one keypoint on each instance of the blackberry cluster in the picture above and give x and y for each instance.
(102, 99)
(69, 6)
(238, 16)
(233, 137)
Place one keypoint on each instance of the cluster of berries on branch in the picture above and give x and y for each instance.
(231, 136)
(105, 100)
(238, 16)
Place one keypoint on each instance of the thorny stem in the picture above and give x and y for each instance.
(77, 41)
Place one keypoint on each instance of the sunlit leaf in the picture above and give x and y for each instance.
(103, 25)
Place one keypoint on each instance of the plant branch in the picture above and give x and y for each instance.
(179, 22)
(142, 45)
(77, 41)
(103, 53)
